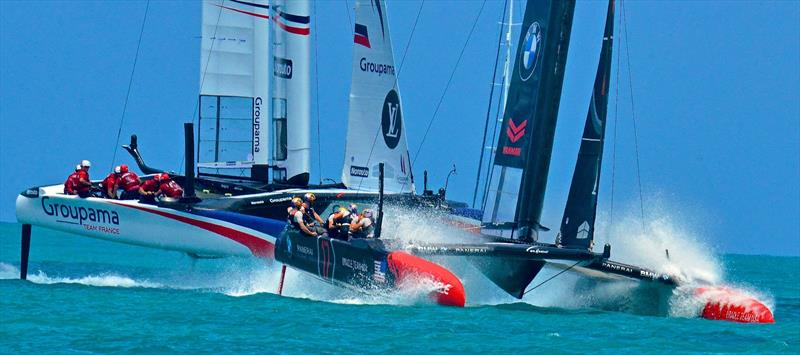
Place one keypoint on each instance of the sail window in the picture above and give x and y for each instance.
(225, 137)
(279, 150)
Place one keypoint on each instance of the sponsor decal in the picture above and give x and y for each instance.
(529, 55)
(354, 265)
(257, 124)
(260, 202)
(648, 274)
(302, 249)
(360, 171)
(280, 199)
(361, 36)
(617, 267)
(535, 250)
(392, 119)
(514, 132)
(92, 219)
(583, 230)
(380, 271)
(249, 6)
(380, 69)
(282, 67)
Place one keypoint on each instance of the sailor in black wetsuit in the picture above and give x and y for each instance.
(362, 225)
(312, 219)
(297, 218)
(339, 223)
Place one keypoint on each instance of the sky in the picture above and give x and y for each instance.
(716, 88)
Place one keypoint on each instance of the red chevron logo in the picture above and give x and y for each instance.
(515, 132)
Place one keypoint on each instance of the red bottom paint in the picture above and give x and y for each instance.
(451, 292)
(731, 305)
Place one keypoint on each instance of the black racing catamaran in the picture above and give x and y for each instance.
(246, 216)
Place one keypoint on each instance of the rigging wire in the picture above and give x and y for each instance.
(552, 277)
(202, 81)
(489, 108)
(347, 10)
(614, 140)
(410, 38)
(633, 113)
(316, 97)
(449, 81)
(130, 83)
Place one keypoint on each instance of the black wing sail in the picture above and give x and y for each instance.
(516, 192)
(577, 225)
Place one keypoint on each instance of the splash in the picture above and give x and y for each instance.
(8, 271)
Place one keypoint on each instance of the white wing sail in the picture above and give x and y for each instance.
(234, 85)
(376, 131)
(291, 104)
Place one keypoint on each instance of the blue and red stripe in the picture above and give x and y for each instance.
(296, 24)
(361, 35)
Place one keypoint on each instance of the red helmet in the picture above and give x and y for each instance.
(163, 177)
(123, 168)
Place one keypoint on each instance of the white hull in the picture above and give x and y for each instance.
(141, 224)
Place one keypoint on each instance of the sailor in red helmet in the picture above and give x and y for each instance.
(128, 181)
(72, 181)
(149, 189)
(83, 187)
(109, 183)
(169, 187)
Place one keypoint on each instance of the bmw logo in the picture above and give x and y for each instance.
(529, 55)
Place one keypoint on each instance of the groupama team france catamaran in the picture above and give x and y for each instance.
(239, 214)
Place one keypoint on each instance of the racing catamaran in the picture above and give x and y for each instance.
(249, 220)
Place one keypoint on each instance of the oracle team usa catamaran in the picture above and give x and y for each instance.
(228, 212)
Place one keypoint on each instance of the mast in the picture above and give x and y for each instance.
(577, 225)
(526, 140)
(291, 94)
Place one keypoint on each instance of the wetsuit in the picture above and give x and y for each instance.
(341, 223)
(129, 182)
(366, 230)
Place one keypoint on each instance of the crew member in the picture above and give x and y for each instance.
(149, 189)
(362, 226)
(129, 182)
(72, 181)
(339, 223)
(308, 203)
(109, 183)
(84, 185)
(169, 187)
(297, 217)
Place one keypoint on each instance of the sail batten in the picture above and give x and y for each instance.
(577, 225)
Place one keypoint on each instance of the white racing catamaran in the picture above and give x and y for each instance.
(230, 212)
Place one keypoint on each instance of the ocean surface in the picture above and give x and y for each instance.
(91, 296)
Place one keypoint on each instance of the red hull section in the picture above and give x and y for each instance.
(451, 292)
(727, 304)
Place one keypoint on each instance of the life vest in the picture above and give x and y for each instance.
(129, 181)
(172, 189)
(364, 232)
(291, 218)
(79, 187)
(150, 185)
(71, 184)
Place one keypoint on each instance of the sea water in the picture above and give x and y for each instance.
(88, 296)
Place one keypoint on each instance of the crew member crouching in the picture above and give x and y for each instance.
(108, 185)
(149, 189)
(129, 182)
(363, 226)
(83, 187)
(169, 187)
(72, 181)
(297, 217)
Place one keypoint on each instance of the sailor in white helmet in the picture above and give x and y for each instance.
(84, 185)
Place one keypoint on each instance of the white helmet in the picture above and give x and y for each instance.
(77, 167)
(86, 163)
(117, 169)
